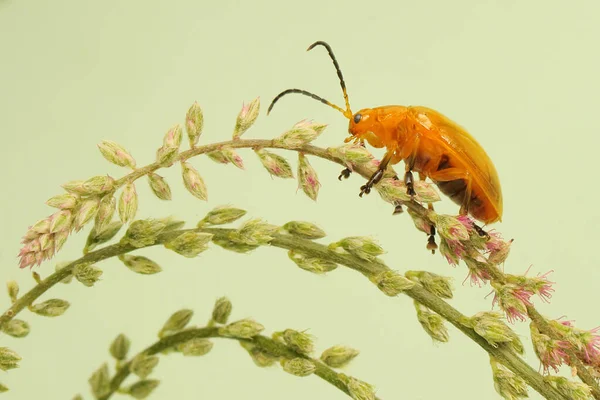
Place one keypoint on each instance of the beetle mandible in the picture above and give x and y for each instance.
(430, 144)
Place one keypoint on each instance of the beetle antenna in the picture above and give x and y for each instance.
(304, 92)
(347, 113)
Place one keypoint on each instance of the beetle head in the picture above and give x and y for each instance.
(363, 125)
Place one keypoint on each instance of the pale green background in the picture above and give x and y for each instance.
(522, 76)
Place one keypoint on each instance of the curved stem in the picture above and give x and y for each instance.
(44, 285)
(582, 371)
(418, 293)
(270, 346)
(542, 324)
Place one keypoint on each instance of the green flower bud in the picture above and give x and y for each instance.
(13, 290)
(143, 365)
(120, 347)
(98, 185)
(159, 186)
(305, 230)
(222, 215)
(243, 329)
(16, 328)
(87, 274)
(50, 308)
(143, 233)
(311, 264)
(338, 356)
(432, 323)
(189, 244)
(116, 154)
(221, 310)
(246, 118)
(100, 381)
(176, 322)
(194, 122)
(274, 164)
(507, 384)
(299, 341)
(8, 359)
(298, 366)
(195, 347)
(142, 389)
(490, 326)
(360, 246)
(140, 264)
(128, 203)
(392, 283)
(193, 182)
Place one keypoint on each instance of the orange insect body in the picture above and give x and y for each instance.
(429, 143)
(437, 148)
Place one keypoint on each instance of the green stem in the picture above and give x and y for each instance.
(582, 372)
(268, 345)
(366, 268)
(545, 328)
(418, 293)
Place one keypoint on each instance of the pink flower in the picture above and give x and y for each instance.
(539, 285)
(554, 355)
(477, 275)
(513, 300)
(544, 286)
(466, 221)
(453, 250)
(495, 242)
(45, 238)
(588, 345)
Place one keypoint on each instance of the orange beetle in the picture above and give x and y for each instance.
(428, 143)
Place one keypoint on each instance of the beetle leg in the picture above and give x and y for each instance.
(409, 182)
(377, 175)
(347, 171)
(464, 208)
(397, 204)
(480, 231)
(431, 244)
(451, 174)
(345, 174)
(422, 177)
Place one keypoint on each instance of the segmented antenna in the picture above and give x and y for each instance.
(347, 113)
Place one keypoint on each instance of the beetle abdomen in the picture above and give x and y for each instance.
(456, 190)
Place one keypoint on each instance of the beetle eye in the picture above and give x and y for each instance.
(357, 118)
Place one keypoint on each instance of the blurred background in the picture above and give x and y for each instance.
(522, 77)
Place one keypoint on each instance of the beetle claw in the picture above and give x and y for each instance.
(365, 189)
(345, 174)
(431, 244)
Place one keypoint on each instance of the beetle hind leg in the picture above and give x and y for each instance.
(480, 231)
(397, 205)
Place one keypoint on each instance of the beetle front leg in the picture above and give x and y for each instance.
(373, 180)
(345, 173)
(377, 175)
